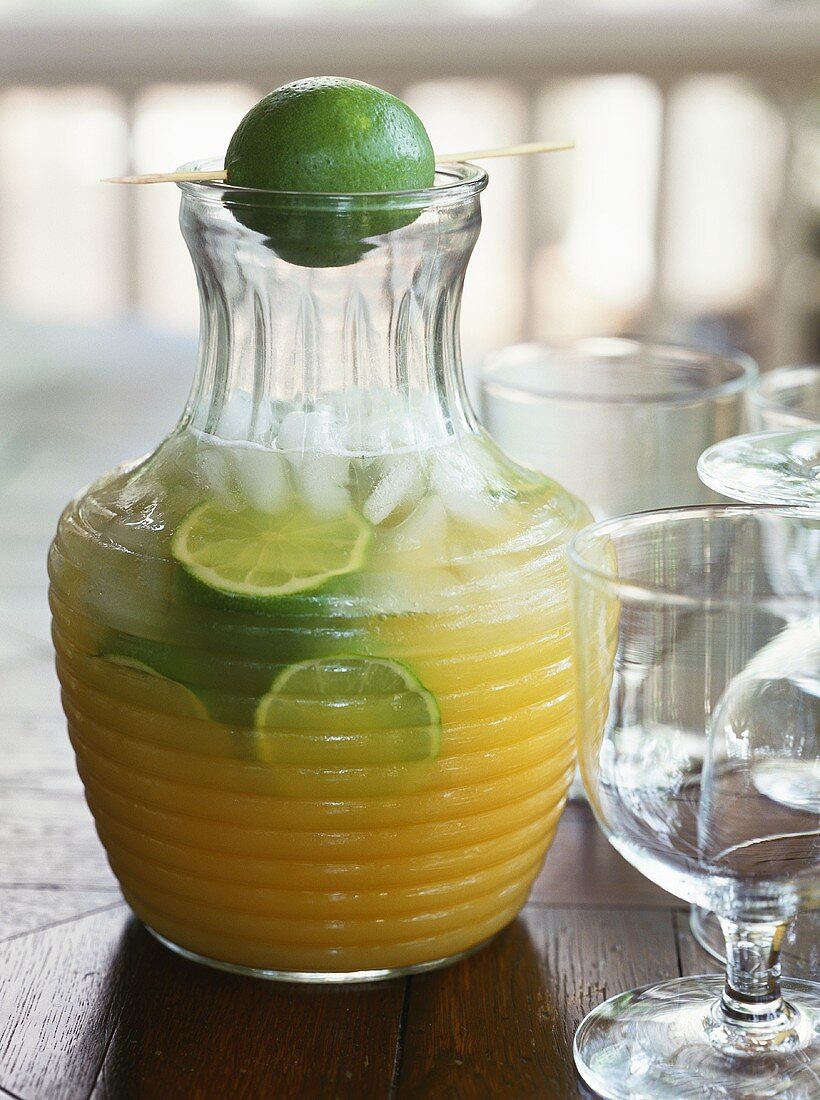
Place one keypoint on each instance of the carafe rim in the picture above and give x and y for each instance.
(459, 182)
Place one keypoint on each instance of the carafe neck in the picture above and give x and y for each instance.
(370, 336)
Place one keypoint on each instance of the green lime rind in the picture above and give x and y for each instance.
(305, 237)
(326, 607)
(175, 697)
(348, 711)
(253, 593)
(252, 555)
(230, 682)
(332, 135)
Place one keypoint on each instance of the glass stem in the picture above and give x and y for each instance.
(752, 988)
(751, 1015)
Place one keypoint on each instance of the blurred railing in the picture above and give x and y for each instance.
(776, 44)
(776, 48)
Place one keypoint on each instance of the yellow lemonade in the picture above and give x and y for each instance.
(330, 733)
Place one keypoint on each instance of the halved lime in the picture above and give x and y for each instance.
(330, 133)
(253, 554)
(135, 680)
(327, 134)
(348, 711)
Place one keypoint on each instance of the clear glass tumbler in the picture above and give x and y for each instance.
(619, 422)
(700, 751)
(785, 398)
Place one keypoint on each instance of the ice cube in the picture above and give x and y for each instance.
(369, 434)
(425, 529)
(402, 482)
(326, 500)
(264, 424)
(476, 511)
(302, 431)
(279, 410)
(263, 478)
(462, 489)
(215, 466)
(240, 419)
(426, 417)
(331, 468)
(342, 403)
(235, 418)
(368, 417)
(321, 483)
(402, 430)
(292, 430)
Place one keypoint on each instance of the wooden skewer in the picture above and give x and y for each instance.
(171, 177)
(441, 158)
(525, 150)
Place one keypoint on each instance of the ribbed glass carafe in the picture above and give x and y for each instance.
(314, 649)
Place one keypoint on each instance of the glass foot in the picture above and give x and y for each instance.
(652, 1044)
(801, 948)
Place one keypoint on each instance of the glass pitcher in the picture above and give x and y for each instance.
(315, 649)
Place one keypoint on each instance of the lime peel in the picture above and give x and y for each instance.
(181, 699)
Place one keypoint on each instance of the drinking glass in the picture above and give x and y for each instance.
(699, 742)
(781, 467)
(785, 398)
(619, 422)
(766, 467)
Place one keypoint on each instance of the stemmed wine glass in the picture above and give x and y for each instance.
(700, 751)
(766, 467)
(775, 467)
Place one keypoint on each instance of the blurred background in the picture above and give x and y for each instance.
(690, 208)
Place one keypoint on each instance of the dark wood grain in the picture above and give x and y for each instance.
(187, 1031)
(500, 1024)
(60, 995)
(693, 959)
(582, 868)
(96, 1005)
(26, 909)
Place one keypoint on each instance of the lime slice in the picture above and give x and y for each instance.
(254, 554)
(133, 679)
(348, 711)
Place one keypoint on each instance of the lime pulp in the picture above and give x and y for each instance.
(255, 555)
(348, 711)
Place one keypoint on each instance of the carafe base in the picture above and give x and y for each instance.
(309, 977)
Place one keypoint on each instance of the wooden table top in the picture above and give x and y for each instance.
(92, 1006)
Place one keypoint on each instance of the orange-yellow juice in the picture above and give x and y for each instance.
(362, 775)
